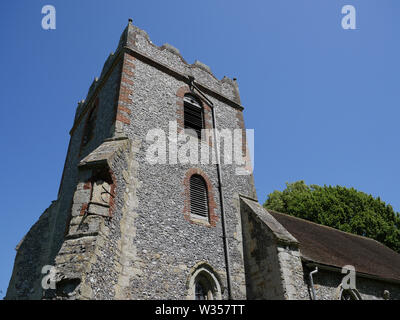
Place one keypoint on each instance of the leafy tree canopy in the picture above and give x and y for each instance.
(341, 208)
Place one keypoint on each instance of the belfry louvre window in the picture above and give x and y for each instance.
(193, 114)
(198, 196)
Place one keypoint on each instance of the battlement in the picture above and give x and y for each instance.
(137, 41)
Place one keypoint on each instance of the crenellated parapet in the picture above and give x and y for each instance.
(137, 39)
(137, 42)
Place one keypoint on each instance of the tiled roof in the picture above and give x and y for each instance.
(336, 248)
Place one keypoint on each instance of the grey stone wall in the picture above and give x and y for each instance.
(89, 262)
(32, 255)
(272, 258)
(263, 277)
(327, 286)
(102, 275)
(294, 278)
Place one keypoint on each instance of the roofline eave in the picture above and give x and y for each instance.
(310, 263)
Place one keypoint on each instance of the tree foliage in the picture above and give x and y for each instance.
(342, 208)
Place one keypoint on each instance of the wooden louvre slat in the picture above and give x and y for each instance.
(198, 196)
(193, 115)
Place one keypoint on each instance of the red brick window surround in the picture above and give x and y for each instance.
(212, 218)
(198, 196)
(180, 113)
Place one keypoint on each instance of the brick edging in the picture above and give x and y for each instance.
(212, 206)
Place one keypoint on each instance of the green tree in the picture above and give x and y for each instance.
(341, 208)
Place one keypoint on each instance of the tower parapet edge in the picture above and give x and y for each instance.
(167, 55)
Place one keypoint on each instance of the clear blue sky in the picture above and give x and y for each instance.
(324, 102)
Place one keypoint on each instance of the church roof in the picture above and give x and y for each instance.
(332, 247)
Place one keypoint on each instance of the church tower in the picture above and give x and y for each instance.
(140, 213)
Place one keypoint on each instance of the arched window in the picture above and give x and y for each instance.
(198, 196)
(350, 294)
(204, 283)
(203, 288)
(200, 292)
(193, 114)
